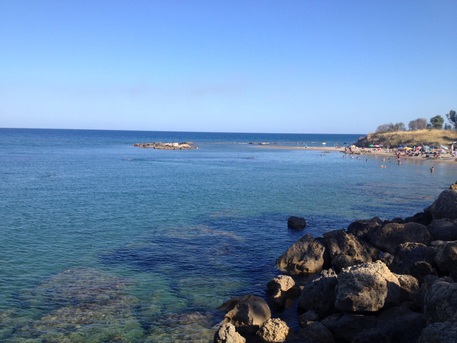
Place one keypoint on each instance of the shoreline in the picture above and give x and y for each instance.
(381, 153)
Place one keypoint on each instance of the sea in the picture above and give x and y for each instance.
(102, 241)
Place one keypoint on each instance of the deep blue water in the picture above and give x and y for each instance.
(103, 241)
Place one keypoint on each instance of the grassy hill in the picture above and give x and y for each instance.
(409, 138)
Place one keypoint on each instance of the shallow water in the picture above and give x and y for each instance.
(104, 241)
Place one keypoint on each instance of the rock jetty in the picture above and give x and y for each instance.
(166, 145)
(377, 281)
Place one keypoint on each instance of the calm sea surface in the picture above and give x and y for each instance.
(102, 241)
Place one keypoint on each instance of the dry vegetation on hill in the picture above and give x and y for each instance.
(410, 138)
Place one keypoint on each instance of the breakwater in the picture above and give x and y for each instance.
(363, 281)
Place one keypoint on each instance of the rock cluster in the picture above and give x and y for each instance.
(166, 146)
(376, 281)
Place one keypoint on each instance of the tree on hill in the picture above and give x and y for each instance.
(451, 116)
(417, 124)
(437, 122)
(391, 127)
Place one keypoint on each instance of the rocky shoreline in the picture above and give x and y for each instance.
(166, 146)
(377, 281)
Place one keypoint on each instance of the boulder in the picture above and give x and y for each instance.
(319, 294)
(227, 334)
(345, 327)
(246, 313)
(344, 249)
(415, 259)
(280, 289)
(391, 235)
(360, 228)
(371, 286)
(440, 302)
(442, 332)
(304, 257)
(411, 326)
(297, 223)
(445, 206)
(273, 330)
(316, 333)
(443, 229)
(446, 257)
(307, 318)
(423, 218)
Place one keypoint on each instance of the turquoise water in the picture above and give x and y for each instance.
(102, 241)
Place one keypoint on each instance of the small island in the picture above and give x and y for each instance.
(166, 146)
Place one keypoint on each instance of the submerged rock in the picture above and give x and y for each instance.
(297, 223)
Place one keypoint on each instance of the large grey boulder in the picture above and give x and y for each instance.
(443, 229)
(246, 313)
(344, 249)
(446, 257)
(227, 334)
(305, 256)
(370, 287)
(440, 302)
(390, 236)
(319, 294)
(445, 206)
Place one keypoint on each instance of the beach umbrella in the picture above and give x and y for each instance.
(371, 146)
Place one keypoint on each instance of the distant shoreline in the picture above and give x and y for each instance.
(391, 153)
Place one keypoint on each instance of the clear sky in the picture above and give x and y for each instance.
(298, 66)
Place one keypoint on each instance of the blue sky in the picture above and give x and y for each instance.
(234, 66)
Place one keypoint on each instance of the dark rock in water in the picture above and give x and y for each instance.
(443, 229)
(445, 206)
(389, 236)
(319, 294)
(297, 223)
(371, 336)
(304, 257)
(344, 249)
